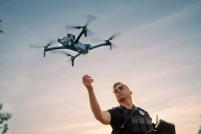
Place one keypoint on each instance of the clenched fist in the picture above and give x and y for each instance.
(87, 81)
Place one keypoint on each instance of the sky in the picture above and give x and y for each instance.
(157, 56)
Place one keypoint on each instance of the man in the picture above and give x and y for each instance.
(124, 119)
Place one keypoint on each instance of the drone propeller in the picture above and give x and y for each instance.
(111, 38)
(0, 20)
(42, 46)
(73, 27)
(108, 41)
(61, 52)
(72, 58)
(90, 18)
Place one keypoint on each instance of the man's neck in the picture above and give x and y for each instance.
(127, 104)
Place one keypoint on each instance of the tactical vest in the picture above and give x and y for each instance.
(139, 123)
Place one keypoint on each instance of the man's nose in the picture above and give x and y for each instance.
(118, 91)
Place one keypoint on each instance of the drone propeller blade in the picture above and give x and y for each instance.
(35, 46)
(114, 46)
(65, 53)
(61, 52)
(51, 42)
(90, 33)
(0, 20)
(73, 27)
(71, 59)
(42, 46)
(90, 18)
(95, 39)
(113, 36)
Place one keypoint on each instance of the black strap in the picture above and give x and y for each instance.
(126, 121)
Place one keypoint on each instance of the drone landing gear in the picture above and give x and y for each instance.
(44, 51)
(73, 57)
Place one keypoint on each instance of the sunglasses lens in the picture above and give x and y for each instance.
(121, 88)
(118, 88)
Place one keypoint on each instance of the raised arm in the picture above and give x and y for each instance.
(103, 116)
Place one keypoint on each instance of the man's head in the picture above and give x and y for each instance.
(121, 91)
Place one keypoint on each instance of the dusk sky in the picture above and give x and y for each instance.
(157, 55)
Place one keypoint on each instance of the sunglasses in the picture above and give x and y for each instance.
(119, 87)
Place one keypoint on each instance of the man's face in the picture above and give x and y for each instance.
(121, 92)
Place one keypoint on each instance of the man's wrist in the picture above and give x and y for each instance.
(89, 88)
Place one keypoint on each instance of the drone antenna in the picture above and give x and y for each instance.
(156, 118)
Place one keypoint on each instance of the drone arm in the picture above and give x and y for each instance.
(54, 48)
(79, 36)
(51, 48)
(99, 45)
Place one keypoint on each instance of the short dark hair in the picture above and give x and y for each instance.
(117, 83)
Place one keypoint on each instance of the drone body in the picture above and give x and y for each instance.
(69, 42)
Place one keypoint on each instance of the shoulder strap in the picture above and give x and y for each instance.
(126, 120)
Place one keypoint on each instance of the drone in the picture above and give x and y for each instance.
(71, 42)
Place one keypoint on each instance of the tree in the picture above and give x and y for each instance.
(4, 116)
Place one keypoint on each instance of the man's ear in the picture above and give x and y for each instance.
(131, 92)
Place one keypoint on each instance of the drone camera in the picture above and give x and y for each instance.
(59, 40)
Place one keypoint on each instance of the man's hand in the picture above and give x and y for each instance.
(87, 81)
